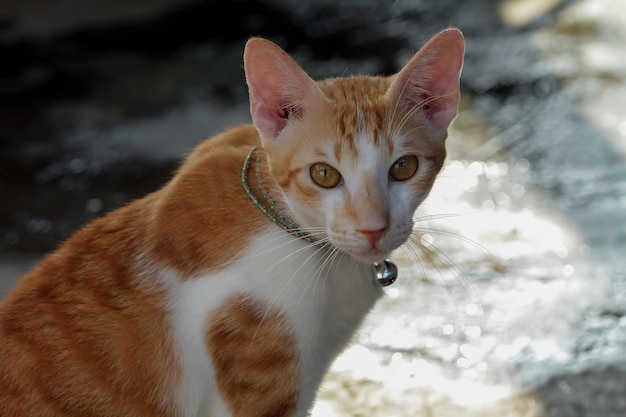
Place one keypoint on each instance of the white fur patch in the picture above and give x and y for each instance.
(324, 298)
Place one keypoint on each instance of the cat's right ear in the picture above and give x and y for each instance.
(279, 89)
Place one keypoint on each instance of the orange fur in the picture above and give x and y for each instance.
(86, 333)
(188, 227)
(256, 362)
(80, 336)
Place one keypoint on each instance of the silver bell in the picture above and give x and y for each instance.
(386, 272)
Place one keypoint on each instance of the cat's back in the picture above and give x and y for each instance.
(86, 331)
(193, 206)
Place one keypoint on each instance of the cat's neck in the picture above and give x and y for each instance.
(260, 186)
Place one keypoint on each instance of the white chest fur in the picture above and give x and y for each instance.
(324, 297)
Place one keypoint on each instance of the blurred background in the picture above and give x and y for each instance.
(517, 304)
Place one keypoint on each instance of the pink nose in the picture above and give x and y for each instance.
(373, 236)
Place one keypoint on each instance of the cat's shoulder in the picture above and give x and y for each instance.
(234, 143)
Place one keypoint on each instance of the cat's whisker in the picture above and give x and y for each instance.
(314, 271)
(287, 282)
(273, 236)
(419, 228)
(458, 236)
(291, 254)
(406, 117)
(333, 255)
(306, 280)
(327, 264)
(392, 121)
(410, 252)
(430, 217)
(436, 256)
(432, 255)
(412, 111)
(435, 253)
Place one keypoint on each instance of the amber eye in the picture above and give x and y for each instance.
(404, 168)
(325, 175)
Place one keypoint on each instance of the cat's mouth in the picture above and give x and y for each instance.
(361, 250)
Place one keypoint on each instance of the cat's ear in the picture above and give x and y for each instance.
(429, 83)
(279, 89)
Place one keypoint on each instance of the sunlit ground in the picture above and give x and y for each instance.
(492, 309)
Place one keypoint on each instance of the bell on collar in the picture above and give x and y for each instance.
(386, 272)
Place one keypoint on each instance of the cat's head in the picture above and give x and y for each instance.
(354, 157)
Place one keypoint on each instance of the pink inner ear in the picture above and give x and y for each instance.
(440, 110)
(444, 111)
(267, 121)
(267, 112)
(279, 89)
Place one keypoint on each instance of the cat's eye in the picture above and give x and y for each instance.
(404, 168)
(325, 175)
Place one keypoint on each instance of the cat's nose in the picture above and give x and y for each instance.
(373, 236)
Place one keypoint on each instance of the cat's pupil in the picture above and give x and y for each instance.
(325, 175)
(404, 168)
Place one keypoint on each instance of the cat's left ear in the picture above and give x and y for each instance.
(429, 83)
(279, 89)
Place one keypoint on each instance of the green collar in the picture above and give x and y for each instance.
(278, 217)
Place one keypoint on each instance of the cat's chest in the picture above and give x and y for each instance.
(318, 297)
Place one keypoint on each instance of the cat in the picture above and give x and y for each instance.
(229, 291)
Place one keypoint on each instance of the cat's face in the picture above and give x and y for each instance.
(357, 171)
(354, 157)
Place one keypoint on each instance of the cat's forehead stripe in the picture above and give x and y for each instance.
(338, 149)
(320, 153)
(359, 105)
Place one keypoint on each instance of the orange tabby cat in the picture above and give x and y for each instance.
(191, 301)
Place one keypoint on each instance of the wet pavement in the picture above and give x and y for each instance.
(512, 301)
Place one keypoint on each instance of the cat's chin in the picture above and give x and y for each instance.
(363, 255)
(371, 256)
